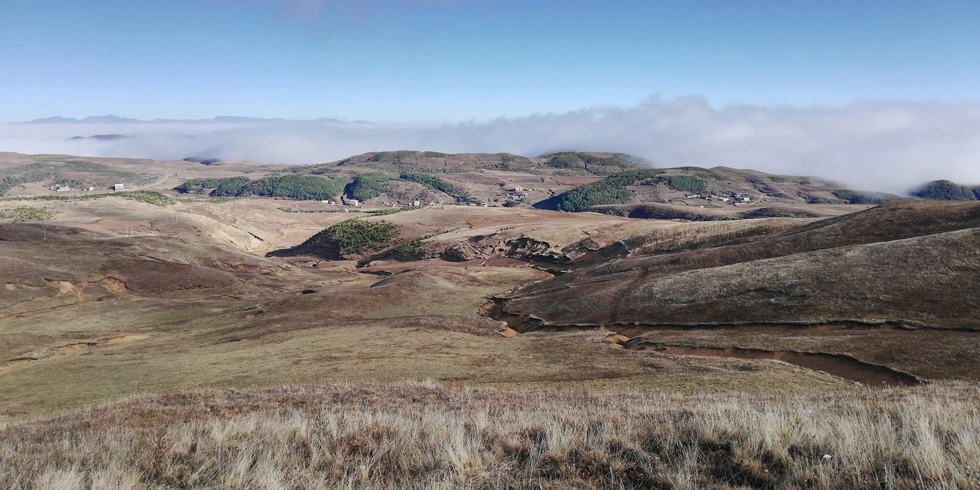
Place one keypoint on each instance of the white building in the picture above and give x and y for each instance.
(119, 187)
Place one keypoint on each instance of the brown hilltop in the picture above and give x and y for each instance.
(930, 281)
(901, 262)
(36, 261)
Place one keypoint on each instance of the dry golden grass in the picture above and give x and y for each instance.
(426, 436)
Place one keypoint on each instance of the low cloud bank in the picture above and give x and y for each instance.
(868, 145)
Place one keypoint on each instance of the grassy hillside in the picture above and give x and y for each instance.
(827, 289)
(794, 275)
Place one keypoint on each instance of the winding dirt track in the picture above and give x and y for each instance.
(158, 182)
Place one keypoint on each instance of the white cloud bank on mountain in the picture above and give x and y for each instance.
(889, 146)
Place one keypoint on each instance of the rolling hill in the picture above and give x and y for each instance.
(570, 181)
(239, 305)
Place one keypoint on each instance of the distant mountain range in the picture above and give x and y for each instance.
(114, 119)
(102, 137)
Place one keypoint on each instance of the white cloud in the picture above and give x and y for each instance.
(889, 146)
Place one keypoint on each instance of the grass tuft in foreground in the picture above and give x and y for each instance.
(424, 436)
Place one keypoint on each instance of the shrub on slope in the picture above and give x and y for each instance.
(200, 186)
(944, 190)
(350, 237)
(864, 197)
(684, 183)
(288, 186)
(438, 184)
(610, 190)
(295, 187)
(366, 186)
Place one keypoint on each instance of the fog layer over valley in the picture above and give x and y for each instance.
(883, 146)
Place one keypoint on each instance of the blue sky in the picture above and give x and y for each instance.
(447, 60)
(880, 95)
